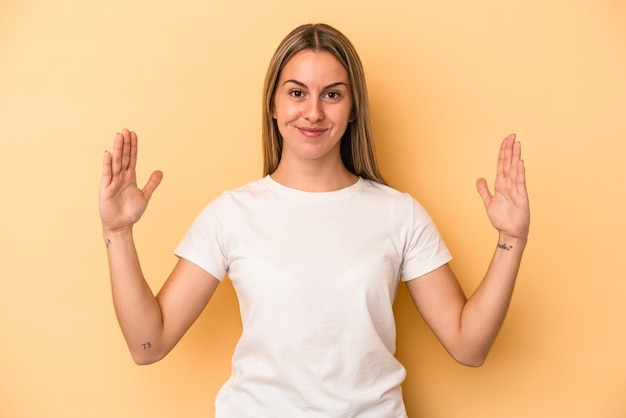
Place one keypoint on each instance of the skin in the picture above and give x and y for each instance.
(312, 107)
(467, 328)
(151, 325)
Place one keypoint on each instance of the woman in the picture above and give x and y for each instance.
(315, 251)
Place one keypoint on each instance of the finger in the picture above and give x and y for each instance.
(106, 169)
(521, 178)
(506, 152)
(500, 166)
(125, 149)
(152, 184)
(517, 150)
(483, 191)
(516, 153)
(118, 145)
(133, 151)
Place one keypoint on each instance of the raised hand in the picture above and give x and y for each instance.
(121, 202)
(508, 208)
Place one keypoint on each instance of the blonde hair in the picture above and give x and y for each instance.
(357, 143)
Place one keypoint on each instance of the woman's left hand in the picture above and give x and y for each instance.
(508, 208)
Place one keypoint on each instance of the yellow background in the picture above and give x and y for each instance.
(448, 80)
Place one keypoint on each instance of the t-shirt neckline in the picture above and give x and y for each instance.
(292, 193)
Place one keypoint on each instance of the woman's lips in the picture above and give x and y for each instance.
(312, 132)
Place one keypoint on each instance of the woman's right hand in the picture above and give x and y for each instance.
(121, 202)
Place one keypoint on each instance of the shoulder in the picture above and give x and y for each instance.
(252, 187)
(381, 191)
(401, 203)
(380, 188)
(227, 200)
(249, 190)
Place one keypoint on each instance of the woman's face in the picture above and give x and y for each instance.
(312, 106)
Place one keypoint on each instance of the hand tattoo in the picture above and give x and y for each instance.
(107, 242)
(504, 247)
(146, 345)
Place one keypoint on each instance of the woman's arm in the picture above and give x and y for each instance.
(467, 328)
(151, 325)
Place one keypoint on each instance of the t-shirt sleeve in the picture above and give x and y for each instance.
(202, 244)
(425, 250)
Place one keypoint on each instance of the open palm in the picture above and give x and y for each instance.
(508, 208)
(121, 202)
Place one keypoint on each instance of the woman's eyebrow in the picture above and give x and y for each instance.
(330, 86)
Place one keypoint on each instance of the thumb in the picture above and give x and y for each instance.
(483, 191)
(152, 184)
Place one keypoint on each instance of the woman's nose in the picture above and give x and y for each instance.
(314, 110)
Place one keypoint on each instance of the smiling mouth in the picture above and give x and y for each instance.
(311, 132)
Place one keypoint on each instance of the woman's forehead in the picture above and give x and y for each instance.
(310, 66)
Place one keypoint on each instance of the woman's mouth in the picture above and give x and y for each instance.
(312, 132)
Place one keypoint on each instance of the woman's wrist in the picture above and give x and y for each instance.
(507, 242)
(119, 234)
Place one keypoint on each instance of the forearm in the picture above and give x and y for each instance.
(484, 312)
(137, 310)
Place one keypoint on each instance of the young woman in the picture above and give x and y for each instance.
(315, 250)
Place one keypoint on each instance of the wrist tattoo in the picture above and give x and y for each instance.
(146, 345)
(504, 247)
(107, 242)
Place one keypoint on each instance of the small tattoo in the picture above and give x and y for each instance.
(146, 345)
(107, 242)
(504, 247)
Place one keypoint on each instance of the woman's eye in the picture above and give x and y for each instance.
(296, 93)
(333, 95)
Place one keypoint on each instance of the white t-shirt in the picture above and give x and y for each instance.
(316, 275)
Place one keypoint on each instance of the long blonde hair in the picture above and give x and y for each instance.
(357, 143)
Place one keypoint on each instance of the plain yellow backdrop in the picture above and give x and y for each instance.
(448, 80)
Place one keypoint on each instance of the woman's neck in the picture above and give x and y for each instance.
(314, 177)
